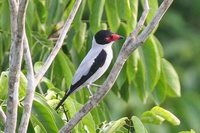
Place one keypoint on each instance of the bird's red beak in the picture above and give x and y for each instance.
(114, 37)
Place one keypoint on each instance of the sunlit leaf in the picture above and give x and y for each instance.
(41, 10)
(172, 80)
(96, 11)
(150, 117)
(4, 85)
(191, 131)
(137, 124)
(113, 126)
(166, 115)
(112, 15)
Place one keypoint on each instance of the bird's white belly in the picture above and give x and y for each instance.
(103, 69)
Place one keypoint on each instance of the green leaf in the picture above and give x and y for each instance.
(37, 66)
(79, 37)
(38, 125)
(87, 122)
(113, 126)
(78, 18)
(150, 117)
(112, 14)
(191, 131)
(124, 91)
(62, 67)
(134, 10)
(124, 9)
(5, 16)
(41, 10)
(96, 11)
(171, 78)
(43, 114)
(159, 93)
(139, 81)
(153, 5)
(58, 121)
(4, 85)
(137, 124)
(151, 61)
(166, 115)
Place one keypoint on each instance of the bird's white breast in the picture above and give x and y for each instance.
(102, 69)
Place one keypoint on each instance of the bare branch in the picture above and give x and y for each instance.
(130, 45)
(2, 115)
(18, 28)
(14, 74)
(32, 82)
(142, 19)
(59, 43)
(30, 88)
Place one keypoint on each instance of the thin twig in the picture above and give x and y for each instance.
(29, 90)
(32, 82)
(59, 43)
(2, 115)
(141, 20)
(124, 53)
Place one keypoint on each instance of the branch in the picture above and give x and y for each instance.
(18, 28)
(32, 82)
(30, 88)
(2, 115)
(14, 73)
(59, 43)
(130, 45)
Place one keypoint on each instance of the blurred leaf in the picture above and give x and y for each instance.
(124, 9)
(79, 38)
(87, 122)
(150, 117)
(191, 131)
(41, 10)
(37, 66)
(112, 14)
(78, 18)
(153, 5)
(159, 93)
(4, 85)
(124, 91)
(134, 15)
(137, 124)
(113, 126)
(38, 125)
(151, 60)
(139, 81)
(166, 115)
(43, 114)
(96, 11)
(148, 69)
(46, 115)
(172, 80)
(5, 16)
(62, 67)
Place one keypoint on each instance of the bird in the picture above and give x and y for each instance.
(95, 63)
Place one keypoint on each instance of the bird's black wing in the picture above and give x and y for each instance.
(98, 62)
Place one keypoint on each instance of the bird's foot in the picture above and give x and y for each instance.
(95, 85)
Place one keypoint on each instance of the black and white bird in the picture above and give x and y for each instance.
(95, 63)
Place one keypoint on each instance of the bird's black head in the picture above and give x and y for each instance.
(106, 36)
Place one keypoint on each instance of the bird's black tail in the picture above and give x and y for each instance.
(63, 99)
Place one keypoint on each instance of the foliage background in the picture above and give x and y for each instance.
(178, 33)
